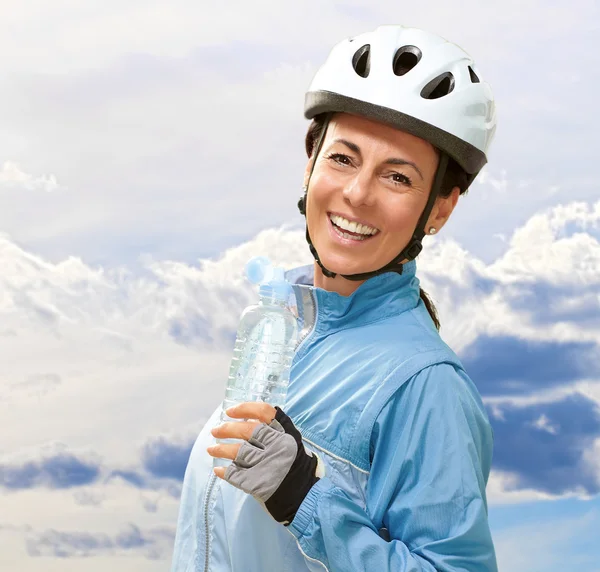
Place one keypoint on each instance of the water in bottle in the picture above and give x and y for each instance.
(264, 346)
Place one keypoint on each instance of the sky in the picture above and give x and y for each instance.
(149, 149)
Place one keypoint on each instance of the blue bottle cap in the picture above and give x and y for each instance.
(258, 269)
(277, 286)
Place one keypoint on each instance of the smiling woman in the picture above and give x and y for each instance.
(405, 183)
(381, 458)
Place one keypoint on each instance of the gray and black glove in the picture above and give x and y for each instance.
(274, 467)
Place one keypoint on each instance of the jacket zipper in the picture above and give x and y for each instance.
(211, 486)
(213, 478)
(308, 331)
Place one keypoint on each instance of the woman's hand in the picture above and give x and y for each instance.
(264, 412)
(271, 464)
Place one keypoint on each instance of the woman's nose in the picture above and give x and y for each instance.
(358, 192)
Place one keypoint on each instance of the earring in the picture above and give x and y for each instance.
(432, 230)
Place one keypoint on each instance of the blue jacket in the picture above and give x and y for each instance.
(403, 434)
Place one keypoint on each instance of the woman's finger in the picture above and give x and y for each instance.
(224, 450)
(253, 410)
(235, 430)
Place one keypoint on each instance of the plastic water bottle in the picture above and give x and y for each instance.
(264, 346)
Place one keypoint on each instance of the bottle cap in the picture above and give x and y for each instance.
(259, 270)
(277, 287)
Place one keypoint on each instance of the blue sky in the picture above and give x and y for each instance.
(142, 165)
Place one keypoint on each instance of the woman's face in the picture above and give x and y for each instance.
(374, 176)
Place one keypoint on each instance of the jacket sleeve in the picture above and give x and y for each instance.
(431, 449)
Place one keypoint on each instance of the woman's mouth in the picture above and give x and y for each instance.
(348, 231)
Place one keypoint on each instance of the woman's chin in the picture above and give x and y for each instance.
(344, 266)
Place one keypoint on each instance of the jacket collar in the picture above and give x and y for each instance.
(378, 298)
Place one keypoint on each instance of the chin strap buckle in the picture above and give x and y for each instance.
(302, 204)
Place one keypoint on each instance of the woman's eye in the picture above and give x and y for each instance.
(401, 179)
(341, 158)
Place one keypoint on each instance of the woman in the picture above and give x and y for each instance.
(381, 458)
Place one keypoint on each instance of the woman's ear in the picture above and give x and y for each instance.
(444, 206)
(307, 170)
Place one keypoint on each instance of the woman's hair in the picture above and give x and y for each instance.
(455, 176)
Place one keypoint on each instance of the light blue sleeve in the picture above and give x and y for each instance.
(432, 446)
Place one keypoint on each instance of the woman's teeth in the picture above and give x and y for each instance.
(359, 231)
(354, 227)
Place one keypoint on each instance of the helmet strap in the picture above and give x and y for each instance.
(304, 197)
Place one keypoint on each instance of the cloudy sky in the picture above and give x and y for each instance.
(148, 149)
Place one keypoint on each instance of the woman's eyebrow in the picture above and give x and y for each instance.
(352, 146)
(391, 161)
(394, 161)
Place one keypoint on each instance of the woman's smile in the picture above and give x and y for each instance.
(349, 234)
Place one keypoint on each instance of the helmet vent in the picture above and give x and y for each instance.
(438, 87)
(406, 58)
(362, 60)
(474, 77)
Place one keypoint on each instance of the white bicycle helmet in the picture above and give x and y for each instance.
(419, 83)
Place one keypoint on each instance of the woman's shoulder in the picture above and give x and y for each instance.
(440, 385)
(409, 340)
(438, 395)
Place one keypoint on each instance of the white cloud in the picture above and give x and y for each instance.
(71, 293)
(503, 489)
(103, 339)
(559, 247)
(499, 184)
(589, 388)
(544, 247)
(543, 424)
(12, 176)
(37, 522)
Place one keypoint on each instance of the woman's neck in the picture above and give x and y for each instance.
(338, 284)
